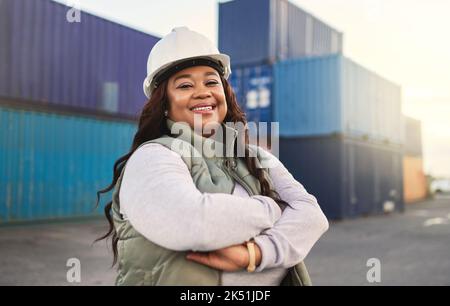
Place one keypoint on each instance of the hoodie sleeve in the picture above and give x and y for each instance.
(161, 201)
(301, 224)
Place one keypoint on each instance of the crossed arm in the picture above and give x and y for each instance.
(161, 201)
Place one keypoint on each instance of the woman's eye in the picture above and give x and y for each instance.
(184, 86)
(212, 83)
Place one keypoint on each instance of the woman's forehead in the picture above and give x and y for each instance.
(195, 71)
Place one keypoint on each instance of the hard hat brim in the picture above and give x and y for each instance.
(148, 84)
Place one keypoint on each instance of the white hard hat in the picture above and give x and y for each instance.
(177, 47)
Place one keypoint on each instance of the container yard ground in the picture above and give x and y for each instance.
(413, 249)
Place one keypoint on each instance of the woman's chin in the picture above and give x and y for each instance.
(206, 122)
(208, 127)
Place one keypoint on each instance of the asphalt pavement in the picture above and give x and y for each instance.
(410, 248)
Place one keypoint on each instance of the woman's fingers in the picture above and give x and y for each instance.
(209, 259)
(202, 258)
(214, 260)
(231, 258)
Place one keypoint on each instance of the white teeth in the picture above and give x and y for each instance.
(205, 108)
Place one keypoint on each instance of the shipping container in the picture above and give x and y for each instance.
(414, 180)
(349, 177)
(334, 95)
(94, 64)
(51, 165)
(265, 31)
(253, 88)
(413, 137)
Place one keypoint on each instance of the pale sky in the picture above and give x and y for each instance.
(405, 41)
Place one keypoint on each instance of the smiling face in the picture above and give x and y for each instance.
(196, 91)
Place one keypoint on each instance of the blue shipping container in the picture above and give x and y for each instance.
(332, 94)
(253, 89)
(95, 64)
(265, 31)
(52, 165)
(350, 178)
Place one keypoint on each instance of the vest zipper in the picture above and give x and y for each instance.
(238, 179)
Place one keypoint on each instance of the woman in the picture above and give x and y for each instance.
(182, 217)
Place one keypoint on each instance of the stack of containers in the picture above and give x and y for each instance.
(94, 66)
(414, 180)
(341, 129)
(52, 164)
(341, 134)
(258, 33)
(69, 96)
(265, 31)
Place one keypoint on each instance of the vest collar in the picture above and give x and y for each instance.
(222, 143)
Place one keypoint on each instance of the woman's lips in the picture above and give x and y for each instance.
(207, 109)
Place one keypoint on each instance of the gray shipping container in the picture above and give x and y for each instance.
(265, 31)
(349, 177)
(413, 137)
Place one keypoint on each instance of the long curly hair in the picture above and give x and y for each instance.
(152, 125)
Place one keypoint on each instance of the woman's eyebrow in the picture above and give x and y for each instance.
(211, 73)
(182, 76)
(190, 76)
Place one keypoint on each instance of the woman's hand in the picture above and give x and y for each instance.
(233, 258)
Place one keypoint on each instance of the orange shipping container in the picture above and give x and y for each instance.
(415, 185)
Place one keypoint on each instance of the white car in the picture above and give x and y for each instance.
(440, 186)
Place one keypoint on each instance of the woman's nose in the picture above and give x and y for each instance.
(202, 92)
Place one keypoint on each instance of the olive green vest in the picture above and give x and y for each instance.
(142, 262)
